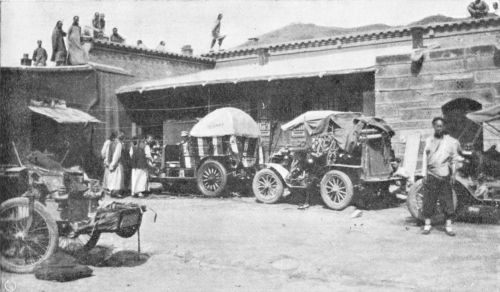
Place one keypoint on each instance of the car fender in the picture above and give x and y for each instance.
(279, 169)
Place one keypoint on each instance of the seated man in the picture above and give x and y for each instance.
(478, 9)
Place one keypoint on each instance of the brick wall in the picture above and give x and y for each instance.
(409, 100)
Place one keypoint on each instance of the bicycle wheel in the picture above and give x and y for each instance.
(24, 245)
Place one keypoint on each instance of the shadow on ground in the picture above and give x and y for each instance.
(103, 256)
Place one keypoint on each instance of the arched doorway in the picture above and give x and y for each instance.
(459, 126)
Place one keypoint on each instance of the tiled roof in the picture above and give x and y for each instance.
(152, 52)
(396, 32)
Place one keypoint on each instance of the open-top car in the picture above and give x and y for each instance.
(477, 181)
(222, 147)
(350, 153)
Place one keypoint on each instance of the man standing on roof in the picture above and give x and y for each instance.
(39, 55)
(76, 52)
(58, 47)
(478, 9)
(216, 36)
(439, 166)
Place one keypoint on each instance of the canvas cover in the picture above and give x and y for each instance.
(486, 115)
(226, 121)
(345, 126)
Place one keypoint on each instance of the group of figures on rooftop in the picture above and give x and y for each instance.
(75, 53)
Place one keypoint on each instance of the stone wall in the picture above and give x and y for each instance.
(409, 100)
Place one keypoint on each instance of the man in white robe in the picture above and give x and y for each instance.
(115, 181)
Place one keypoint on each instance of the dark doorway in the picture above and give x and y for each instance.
(459, 126)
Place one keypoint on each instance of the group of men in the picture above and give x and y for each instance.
(126, 166)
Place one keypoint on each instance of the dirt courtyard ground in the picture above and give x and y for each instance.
(236, 244)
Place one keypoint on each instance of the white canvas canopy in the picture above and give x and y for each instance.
(226, 121)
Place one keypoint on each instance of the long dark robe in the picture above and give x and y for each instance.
(58, 47)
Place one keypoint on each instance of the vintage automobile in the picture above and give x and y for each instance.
(221, 148)
(477, 182)
(350, 154)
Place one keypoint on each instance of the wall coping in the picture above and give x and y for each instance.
(388, 34)
(103, 44)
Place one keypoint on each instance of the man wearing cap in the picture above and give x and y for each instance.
(39, 55)
(439, 166)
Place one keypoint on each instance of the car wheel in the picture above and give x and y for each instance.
(211, 178)
(336, 190)
(267, 186)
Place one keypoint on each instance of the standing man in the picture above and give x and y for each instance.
(58, 47)
(96, 25)
(140, 164)
(39, 55)
(115, 177)
(216, 36)
(478, 9)
(76, 52)
(439, 166)
(104, 156)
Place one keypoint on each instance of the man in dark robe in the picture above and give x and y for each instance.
(96, 25)
(76, 52)
(39, 55)
(58, 47)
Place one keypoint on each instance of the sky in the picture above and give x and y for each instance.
(180, 23)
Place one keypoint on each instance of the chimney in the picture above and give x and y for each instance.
(417, 36)
(187, 50)
(263, 54)
(26, 61)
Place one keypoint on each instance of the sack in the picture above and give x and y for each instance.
(62, 268)
(115, 216)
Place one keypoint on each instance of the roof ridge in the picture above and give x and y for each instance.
(151, 51)
(394, 29)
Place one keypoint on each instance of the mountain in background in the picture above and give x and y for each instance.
(305, 31)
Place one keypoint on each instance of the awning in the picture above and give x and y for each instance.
(486, 115)
(64, 115)
(343, 61)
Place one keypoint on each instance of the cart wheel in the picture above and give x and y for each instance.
(267, 186)
(415, 203)
(22, 246)
(336, 190)
(82, 242)
(211, 178)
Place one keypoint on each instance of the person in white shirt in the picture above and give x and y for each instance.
(439, 166)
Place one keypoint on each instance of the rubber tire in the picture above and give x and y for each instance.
(279, 186)
(199, 181)
(415, 207)
(414, 202)
(53, 234)
(349, 190)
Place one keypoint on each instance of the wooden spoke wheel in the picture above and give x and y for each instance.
(211, 178)
(267, 186)
(336, 190)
